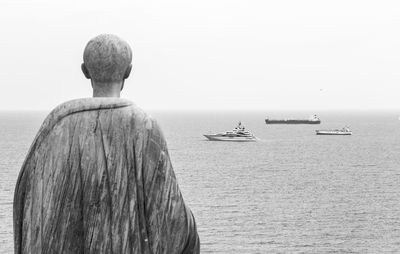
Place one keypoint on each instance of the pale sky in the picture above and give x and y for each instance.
(208, 54)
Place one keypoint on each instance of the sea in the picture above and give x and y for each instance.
(290, 192)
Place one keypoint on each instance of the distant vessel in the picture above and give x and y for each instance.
(312, 120)
(343, 131)
(239, 134)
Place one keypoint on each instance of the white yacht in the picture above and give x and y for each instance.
(239, 134)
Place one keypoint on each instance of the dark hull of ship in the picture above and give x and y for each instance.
(293, 121)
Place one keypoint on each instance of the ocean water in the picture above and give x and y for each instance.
(292, 192)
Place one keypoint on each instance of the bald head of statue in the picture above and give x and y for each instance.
(107, 63)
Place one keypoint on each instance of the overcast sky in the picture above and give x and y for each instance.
(208, 54)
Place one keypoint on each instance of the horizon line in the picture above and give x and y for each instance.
(229, 109)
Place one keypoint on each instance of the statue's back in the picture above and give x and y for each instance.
(98, 179)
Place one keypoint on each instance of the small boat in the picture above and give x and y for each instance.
(343, 131)
(312, 120)
(239, 134)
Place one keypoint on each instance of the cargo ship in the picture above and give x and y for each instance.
(312, 120)
(343, 131)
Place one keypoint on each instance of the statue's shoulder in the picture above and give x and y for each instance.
(93, 104)
(84, 106)
(125, 108)
(90, 104)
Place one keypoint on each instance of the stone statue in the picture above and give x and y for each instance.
(98, 177)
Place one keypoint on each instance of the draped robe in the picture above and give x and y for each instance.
(98, 179)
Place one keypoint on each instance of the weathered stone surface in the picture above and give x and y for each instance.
(98, 179)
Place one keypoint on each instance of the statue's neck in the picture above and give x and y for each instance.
(100, 93)
(112, 89)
